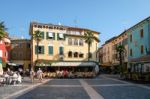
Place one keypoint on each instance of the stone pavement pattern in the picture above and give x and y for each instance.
(102, 87)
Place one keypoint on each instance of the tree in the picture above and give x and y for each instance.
(89, 37)
(2, 30)
(37, 36)
(121, 50)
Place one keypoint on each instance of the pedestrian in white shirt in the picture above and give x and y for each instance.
(39, 74)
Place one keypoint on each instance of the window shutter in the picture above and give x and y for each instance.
(46, 35)
(50, 50)
(57, 36)
(53, 36)
(64, 36)
(36, 49)
(42, 34)
(61, 50)
(42, 49)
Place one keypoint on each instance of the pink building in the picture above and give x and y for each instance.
(5, 49)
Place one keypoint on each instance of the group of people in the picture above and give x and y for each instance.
(39, 74)
(11, 77)
(64, 73)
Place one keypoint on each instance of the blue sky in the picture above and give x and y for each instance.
(110, 17)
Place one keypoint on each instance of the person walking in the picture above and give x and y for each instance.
(32, 75)
(39, 74)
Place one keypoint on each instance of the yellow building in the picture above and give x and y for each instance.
(110, 57)
(61, 43)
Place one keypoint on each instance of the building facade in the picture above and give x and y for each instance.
(61, 43)
(109, 56)
(5, 46)
(21, 53)
(139, 46)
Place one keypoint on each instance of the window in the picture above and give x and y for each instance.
(39, 49)
(81, 42)
(39, 26)
(50, 35)
(130, 52)
(69, 41)
(131, 38)
(81, 55)
(70, 54)
(76, 54)
(50, 50)
(20, 45)
(60, 36)
(142, 49)
(61, 50)
(75, 42)
(141, 33)
(28, 45)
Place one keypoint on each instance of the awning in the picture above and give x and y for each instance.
(68, 64)
(15, 63)
(61, 35)
(50, 34)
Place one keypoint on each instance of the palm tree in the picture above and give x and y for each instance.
(89, 37)
(121, 50)
(37, 36)
(2, 30)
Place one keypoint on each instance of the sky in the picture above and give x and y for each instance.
(109, 17)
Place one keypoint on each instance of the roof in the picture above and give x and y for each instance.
(148, 18)
(68, 27)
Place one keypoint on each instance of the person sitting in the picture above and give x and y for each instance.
(19, 78)
(14, 78)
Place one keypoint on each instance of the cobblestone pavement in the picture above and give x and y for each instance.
(102, 87)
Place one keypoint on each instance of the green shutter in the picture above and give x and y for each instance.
(61, 49)
(42, 34)
(46, 35)
(53, 36)
(64, 36)
(57, 36)
(50, 50)
(42, 49)
(36, 49)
